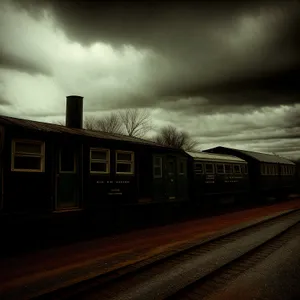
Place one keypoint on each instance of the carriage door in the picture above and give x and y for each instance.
(171, 177)
(68, 178)
(1, 165)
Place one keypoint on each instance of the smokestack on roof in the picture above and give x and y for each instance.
(74, 111)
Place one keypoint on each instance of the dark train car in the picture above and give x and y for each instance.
(217, 178)
(269, 174)
(297, 178)
(65, 175)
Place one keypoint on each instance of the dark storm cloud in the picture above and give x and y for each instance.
(145, 23)
(13, 62)
(265, 129)
(231, 53)
(260, 90)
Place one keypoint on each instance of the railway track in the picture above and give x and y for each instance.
(195, 272)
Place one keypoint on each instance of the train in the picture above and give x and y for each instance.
(59, 179)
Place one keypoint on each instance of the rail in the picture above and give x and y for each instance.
(169, 275)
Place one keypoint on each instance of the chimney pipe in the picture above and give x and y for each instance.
(74, 111)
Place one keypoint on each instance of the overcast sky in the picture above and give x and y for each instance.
(227, 72)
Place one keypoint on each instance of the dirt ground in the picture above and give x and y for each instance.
(132, 246)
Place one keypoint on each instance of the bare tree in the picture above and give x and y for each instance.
(172, 137)
(111, 124)
(137, 122)
(90, 123)
(62, 123)
(132, 122)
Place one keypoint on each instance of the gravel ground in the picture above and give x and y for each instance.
(128, 248)
(275, 278)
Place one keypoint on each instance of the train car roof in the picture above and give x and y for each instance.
(56, 128)
(204, 156)
(261, 157)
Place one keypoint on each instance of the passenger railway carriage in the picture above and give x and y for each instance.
(60, 179)
(58, 172)
(217, 178)
(269, 174)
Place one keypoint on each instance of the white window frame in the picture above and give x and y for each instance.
(103, 161)
(273, 170)
(217, 171)
(234, 172)
(197, 171)
(266, 169)
(125, 162)
(283, 170)
(231, 168)
(158, 166)
(213, 168)
(25, 154)
(270, 170)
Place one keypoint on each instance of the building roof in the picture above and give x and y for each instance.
(55, 128)
(262, 157)
(204, 156)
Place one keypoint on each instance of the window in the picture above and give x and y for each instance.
(28, 156)
(99, 161)
(124, 162)
(209, 168)
(171, 167)
(228, 169)
(157, 167)
(67, 160)
(181, 167)
(237, 169)
(246, 169)
(270, 170)
(198, 168)
(243, 169)
(220, 168)
(284, 170)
